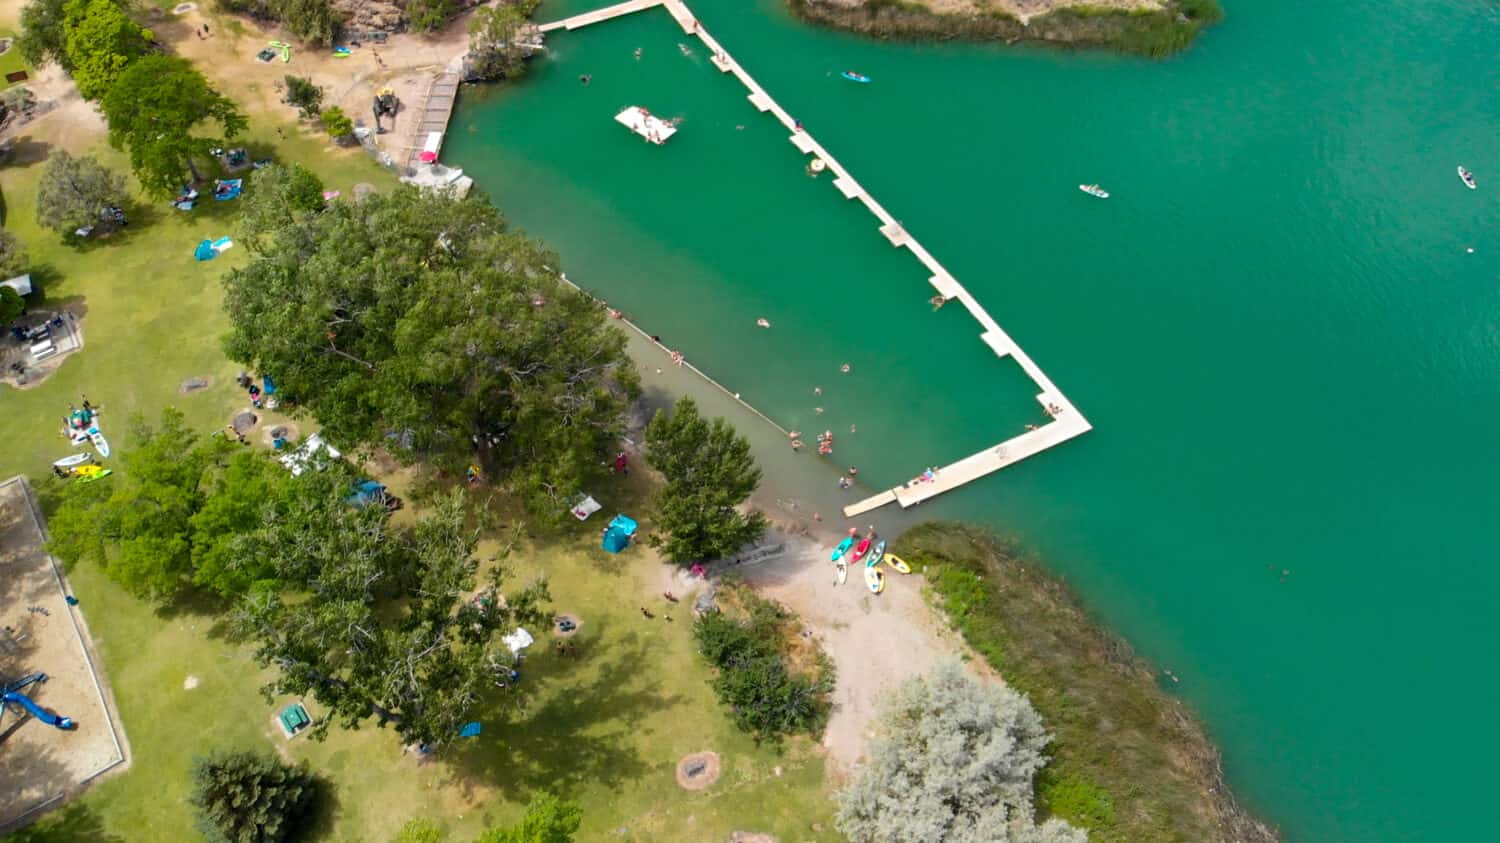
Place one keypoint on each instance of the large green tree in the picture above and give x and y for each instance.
(378, 621)
(101, 42)
(235, 500)
(14, 259)
(710, 472)
(11, 306)
(74, 191)
(44, 34)
(283, 196)
(954, 761)
(137, 524)
(252, 797)
(153, 110)
(420, 323)
(547, 820)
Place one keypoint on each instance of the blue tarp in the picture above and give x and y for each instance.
(227, 189)
(267, 385)
(617, 536)
(365, 494)
(205, 251)
(615, 540)
(469, 730)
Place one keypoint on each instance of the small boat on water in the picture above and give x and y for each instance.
(843, 548)
(875, 579)
(898, 563)
(1094, 190)
(1467, 178)
(877, 553)
(860, 550)
(855, 77)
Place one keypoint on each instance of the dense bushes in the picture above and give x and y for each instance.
(1153, 774)
(769, 693)
(313, 21)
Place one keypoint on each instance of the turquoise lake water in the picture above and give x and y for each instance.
(1290, 358)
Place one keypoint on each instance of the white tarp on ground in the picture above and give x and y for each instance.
(21, 284)
(518, 641)
(584, 507)
(298, 460)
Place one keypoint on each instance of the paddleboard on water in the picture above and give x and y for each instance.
(1467, 177)
(877, 553)
(100, 443)
(875, 579)
(73, 459)
(898, 563)
(838, 552)
(855, 77)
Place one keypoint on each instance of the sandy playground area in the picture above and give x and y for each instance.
(40, 765)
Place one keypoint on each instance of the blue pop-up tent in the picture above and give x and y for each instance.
(366, 493)
(617, 536)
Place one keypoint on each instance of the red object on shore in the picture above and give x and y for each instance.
(861, 549)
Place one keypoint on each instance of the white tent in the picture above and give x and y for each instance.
(20, 283)
(518, 641)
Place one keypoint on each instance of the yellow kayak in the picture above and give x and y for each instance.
(86, 473)
(898, 563)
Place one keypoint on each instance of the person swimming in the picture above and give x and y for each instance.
(637, 53)
(763, 322)
(846, 368)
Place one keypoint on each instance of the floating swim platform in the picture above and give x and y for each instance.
(646, 124)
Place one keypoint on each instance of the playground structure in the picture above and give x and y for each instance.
(48, 673)
(12, 696)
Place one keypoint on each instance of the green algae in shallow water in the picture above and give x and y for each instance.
(1273, 323)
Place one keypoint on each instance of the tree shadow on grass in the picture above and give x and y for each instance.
(72, 824)
(583, 734)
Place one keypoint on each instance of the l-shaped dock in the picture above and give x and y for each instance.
(1066, 422)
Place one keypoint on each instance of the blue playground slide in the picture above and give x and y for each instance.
(12, 695)
(37, 711)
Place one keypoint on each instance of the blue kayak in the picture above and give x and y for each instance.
(855, 77)
(843, 548)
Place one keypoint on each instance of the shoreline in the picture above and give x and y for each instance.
(1150, 34)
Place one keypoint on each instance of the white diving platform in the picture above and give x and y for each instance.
(646, 124)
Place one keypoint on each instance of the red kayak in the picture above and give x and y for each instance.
(860, 550)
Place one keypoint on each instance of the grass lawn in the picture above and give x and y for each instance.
(605, 728)
(11, 61)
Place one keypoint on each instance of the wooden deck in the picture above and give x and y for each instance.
(432, 116)
(1066, 422)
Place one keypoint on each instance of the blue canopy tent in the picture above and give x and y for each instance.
(617, 536)
(205, 251)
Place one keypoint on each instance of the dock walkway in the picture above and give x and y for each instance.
(1066, 422)
(433, 116)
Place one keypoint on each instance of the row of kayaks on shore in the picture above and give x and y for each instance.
(872, 553)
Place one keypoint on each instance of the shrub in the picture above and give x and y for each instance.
(426, 15)
(302, 93)
(767, 695)
(337, 123)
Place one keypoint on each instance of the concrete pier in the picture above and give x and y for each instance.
(1066, 421)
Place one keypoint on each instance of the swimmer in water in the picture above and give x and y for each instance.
(817, 390)
(637, 53)
(845, 368)
(763, 322)
(818, 410)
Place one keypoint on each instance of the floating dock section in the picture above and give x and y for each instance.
(1066, 422)
(646, 124)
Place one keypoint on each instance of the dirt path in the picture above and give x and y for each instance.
(876, 642)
